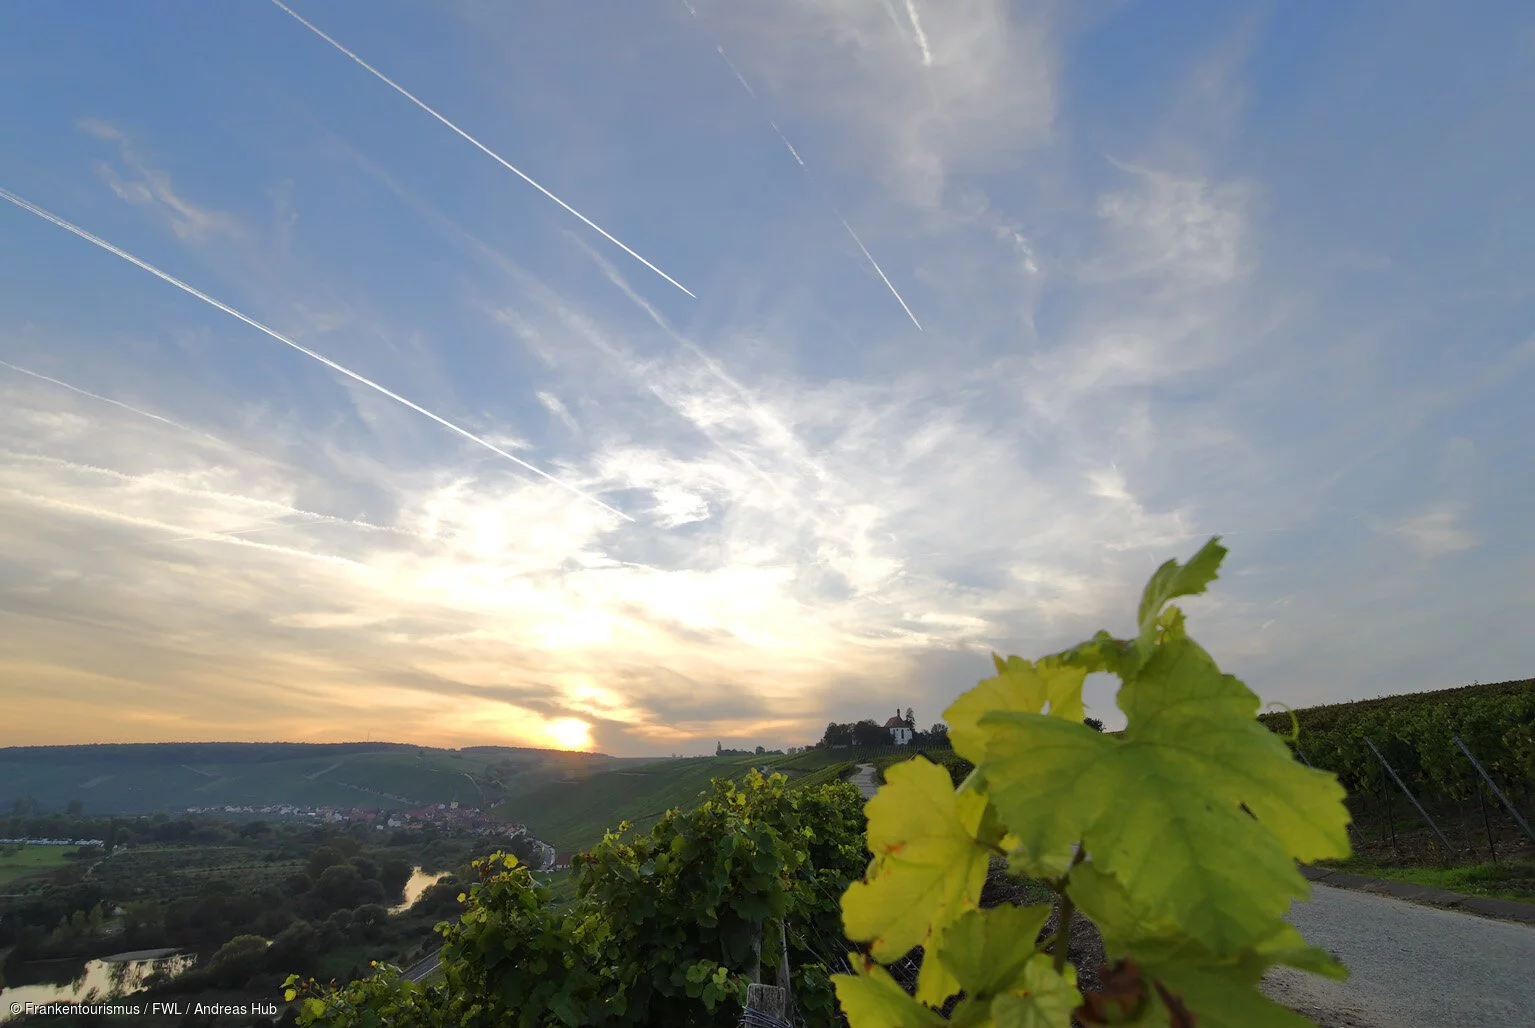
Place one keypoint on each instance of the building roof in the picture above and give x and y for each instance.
(896, 722)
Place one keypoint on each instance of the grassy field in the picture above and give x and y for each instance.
(1512, 880)
(573, 815)
(164, 869)
(30, 860)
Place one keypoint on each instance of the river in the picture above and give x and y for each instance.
(54, 981)
(418, 883)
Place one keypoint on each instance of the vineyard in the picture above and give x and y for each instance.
(1416, 761)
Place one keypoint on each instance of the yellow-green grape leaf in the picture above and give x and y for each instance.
(1172, 580)
(1128, 930)
(1048, 784)
(928, 867)
(872, 999)
(987, 950)
(1181, 702)
(1041, 999)
(1168, 582)
(1018, 685)
(1156, 807)
(1217, 997)
(935, 982)
(1287, 946)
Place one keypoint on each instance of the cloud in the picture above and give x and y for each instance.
(1435, 532)
(974, 90)
(833, 514)
(1185, 229)
(143, 185)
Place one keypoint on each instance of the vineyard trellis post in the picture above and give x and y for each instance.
(767, 1006)
(1494, 787)
(1403, 786)
(1304, 760)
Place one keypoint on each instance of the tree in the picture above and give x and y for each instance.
(868, 733)
(76, 808)
(837, 735)
(393, 874)
(910, 719)
(339, 885)
(760, 750)
(236, 960)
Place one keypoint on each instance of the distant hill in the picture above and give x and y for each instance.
(136, 778)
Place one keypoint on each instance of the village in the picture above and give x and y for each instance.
(450, 816)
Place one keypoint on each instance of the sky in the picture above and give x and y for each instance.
(636, 376)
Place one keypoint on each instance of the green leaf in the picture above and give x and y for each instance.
(1018, 685)
(1218, 997)
(872, 999)
(1041, 999)
(1172, 580)
(927, 868)
(1158, 807)
(987, 950)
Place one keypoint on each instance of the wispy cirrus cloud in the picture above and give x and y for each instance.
(140, 183)
(1138, 332)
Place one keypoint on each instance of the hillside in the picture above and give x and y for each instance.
(149, 777)
(1324, 717)
(573, 815)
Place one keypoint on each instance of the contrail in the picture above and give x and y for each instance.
(916, 28)
(806, 168)
(95, 396)
(273, 333)
(407, 94)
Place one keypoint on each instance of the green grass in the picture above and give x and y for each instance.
(1511, 880)
(574, 815)
(31, 860)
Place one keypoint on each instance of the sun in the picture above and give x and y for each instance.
(569, 733)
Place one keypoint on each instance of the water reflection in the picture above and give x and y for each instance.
(54, 981)
(419, 882)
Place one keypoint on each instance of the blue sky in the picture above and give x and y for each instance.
(1261, 271)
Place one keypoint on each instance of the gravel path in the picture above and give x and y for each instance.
(1411, 966)
(864, 779)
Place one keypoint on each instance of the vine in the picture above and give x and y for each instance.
(1178, 838)
(667, 928)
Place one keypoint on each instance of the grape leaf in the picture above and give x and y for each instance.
(1040, 999)
(872, 999)
(987, 949)
(1222, 997)
(1159, 806)
(1018, 685)
(1168, 582)
(927, 868)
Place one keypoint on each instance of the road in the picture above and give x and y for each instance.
(1411, 965)
(419, 971)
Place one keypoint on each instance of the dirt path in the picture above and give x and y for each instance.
(1410, 965)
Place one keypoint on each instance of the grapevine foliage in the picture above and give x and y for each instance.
(1179, 838)
(666, 928)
